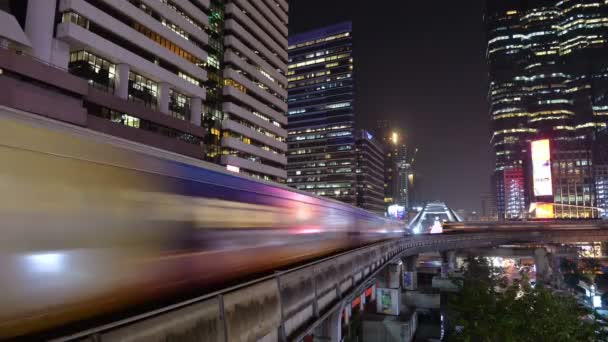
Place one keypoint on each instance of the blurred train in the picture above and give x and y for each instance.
(507, 226)
(93, 224)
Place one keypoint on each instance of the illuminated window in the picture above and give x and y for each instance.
(143, 90)
(167, 44)
(71, 17)
(235, 84)
(98, 71)
(179, 105)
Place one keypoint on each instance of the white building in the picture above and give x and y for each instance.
(204, 78)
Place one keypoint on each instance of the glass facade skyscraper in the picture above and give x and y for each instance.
(399, 165)
(321, 114)
(548, 63)
(370, 172)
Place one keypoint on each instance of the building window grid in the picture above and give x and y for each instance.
(179, 105)
(143, 90)
(183, 14)
(135, 122)
(168, 44)
(75, 18)
(98, 71)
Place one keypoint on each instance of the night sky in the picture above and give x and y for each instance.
(421, 64)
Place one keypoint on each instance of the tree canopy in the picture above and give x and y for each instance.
(489, 309)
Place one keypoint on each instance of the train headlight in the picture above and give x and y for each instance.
(45, 262)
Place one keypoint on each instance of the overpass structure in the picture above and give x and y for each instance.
(430, 218)
(290, 305)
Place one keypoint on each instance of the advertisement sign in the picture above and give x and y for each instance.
(410, 280)
(541, 168)
(397, 212)
(388, 301)
(542, 210)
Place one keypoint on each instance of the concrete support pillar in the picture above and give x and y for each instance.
(374, 292)
(410, 273)
(347, 313)
(39, 27)
(448, 263)
(121, 81)
(330, 330)
(410, 263)
(393, 272)
(196, 110)
(164, 97)
(60, 54)
(542, 265)
(362, 304)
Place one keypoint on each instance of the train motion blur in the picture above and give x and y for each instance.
(92, 224)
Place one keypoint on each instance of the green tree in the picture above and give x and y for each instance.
(484, 311)
(591, 268)
(571, 272)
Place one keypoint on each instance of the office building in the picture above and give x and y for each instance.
(601, 183)
(321, 141)
(548, 80)
(370, 173)
(203, 78)
(399, 170)
(600, 165)
(488, 208)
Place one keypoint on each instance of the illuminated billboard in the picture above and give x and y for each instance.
(542, 210)
(541, 168)
(397, 212)
(388, 301)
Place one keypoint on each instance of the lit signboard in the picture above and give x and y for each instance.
(397, 212)
(410, 280)
(388, 301)
(541, 168)
(543, 210)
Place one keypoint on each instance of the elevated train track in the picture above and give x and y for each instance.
(290, 304)
(93, 225)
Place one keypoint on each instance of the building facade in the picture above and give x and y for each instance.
(547, 64)
(321, 131)
(203, 78)
(488, 208)
(600, 164)
(399, 168)
(370, 173)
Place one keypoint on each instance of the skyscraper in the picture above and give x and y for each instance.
(488, 207)
(370, 173)
(203, 78)
(398, 172)
(600, 165)
(547, 63)
(321, 141)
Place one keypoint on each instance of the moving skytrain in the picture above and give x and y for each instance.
(92, 224)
